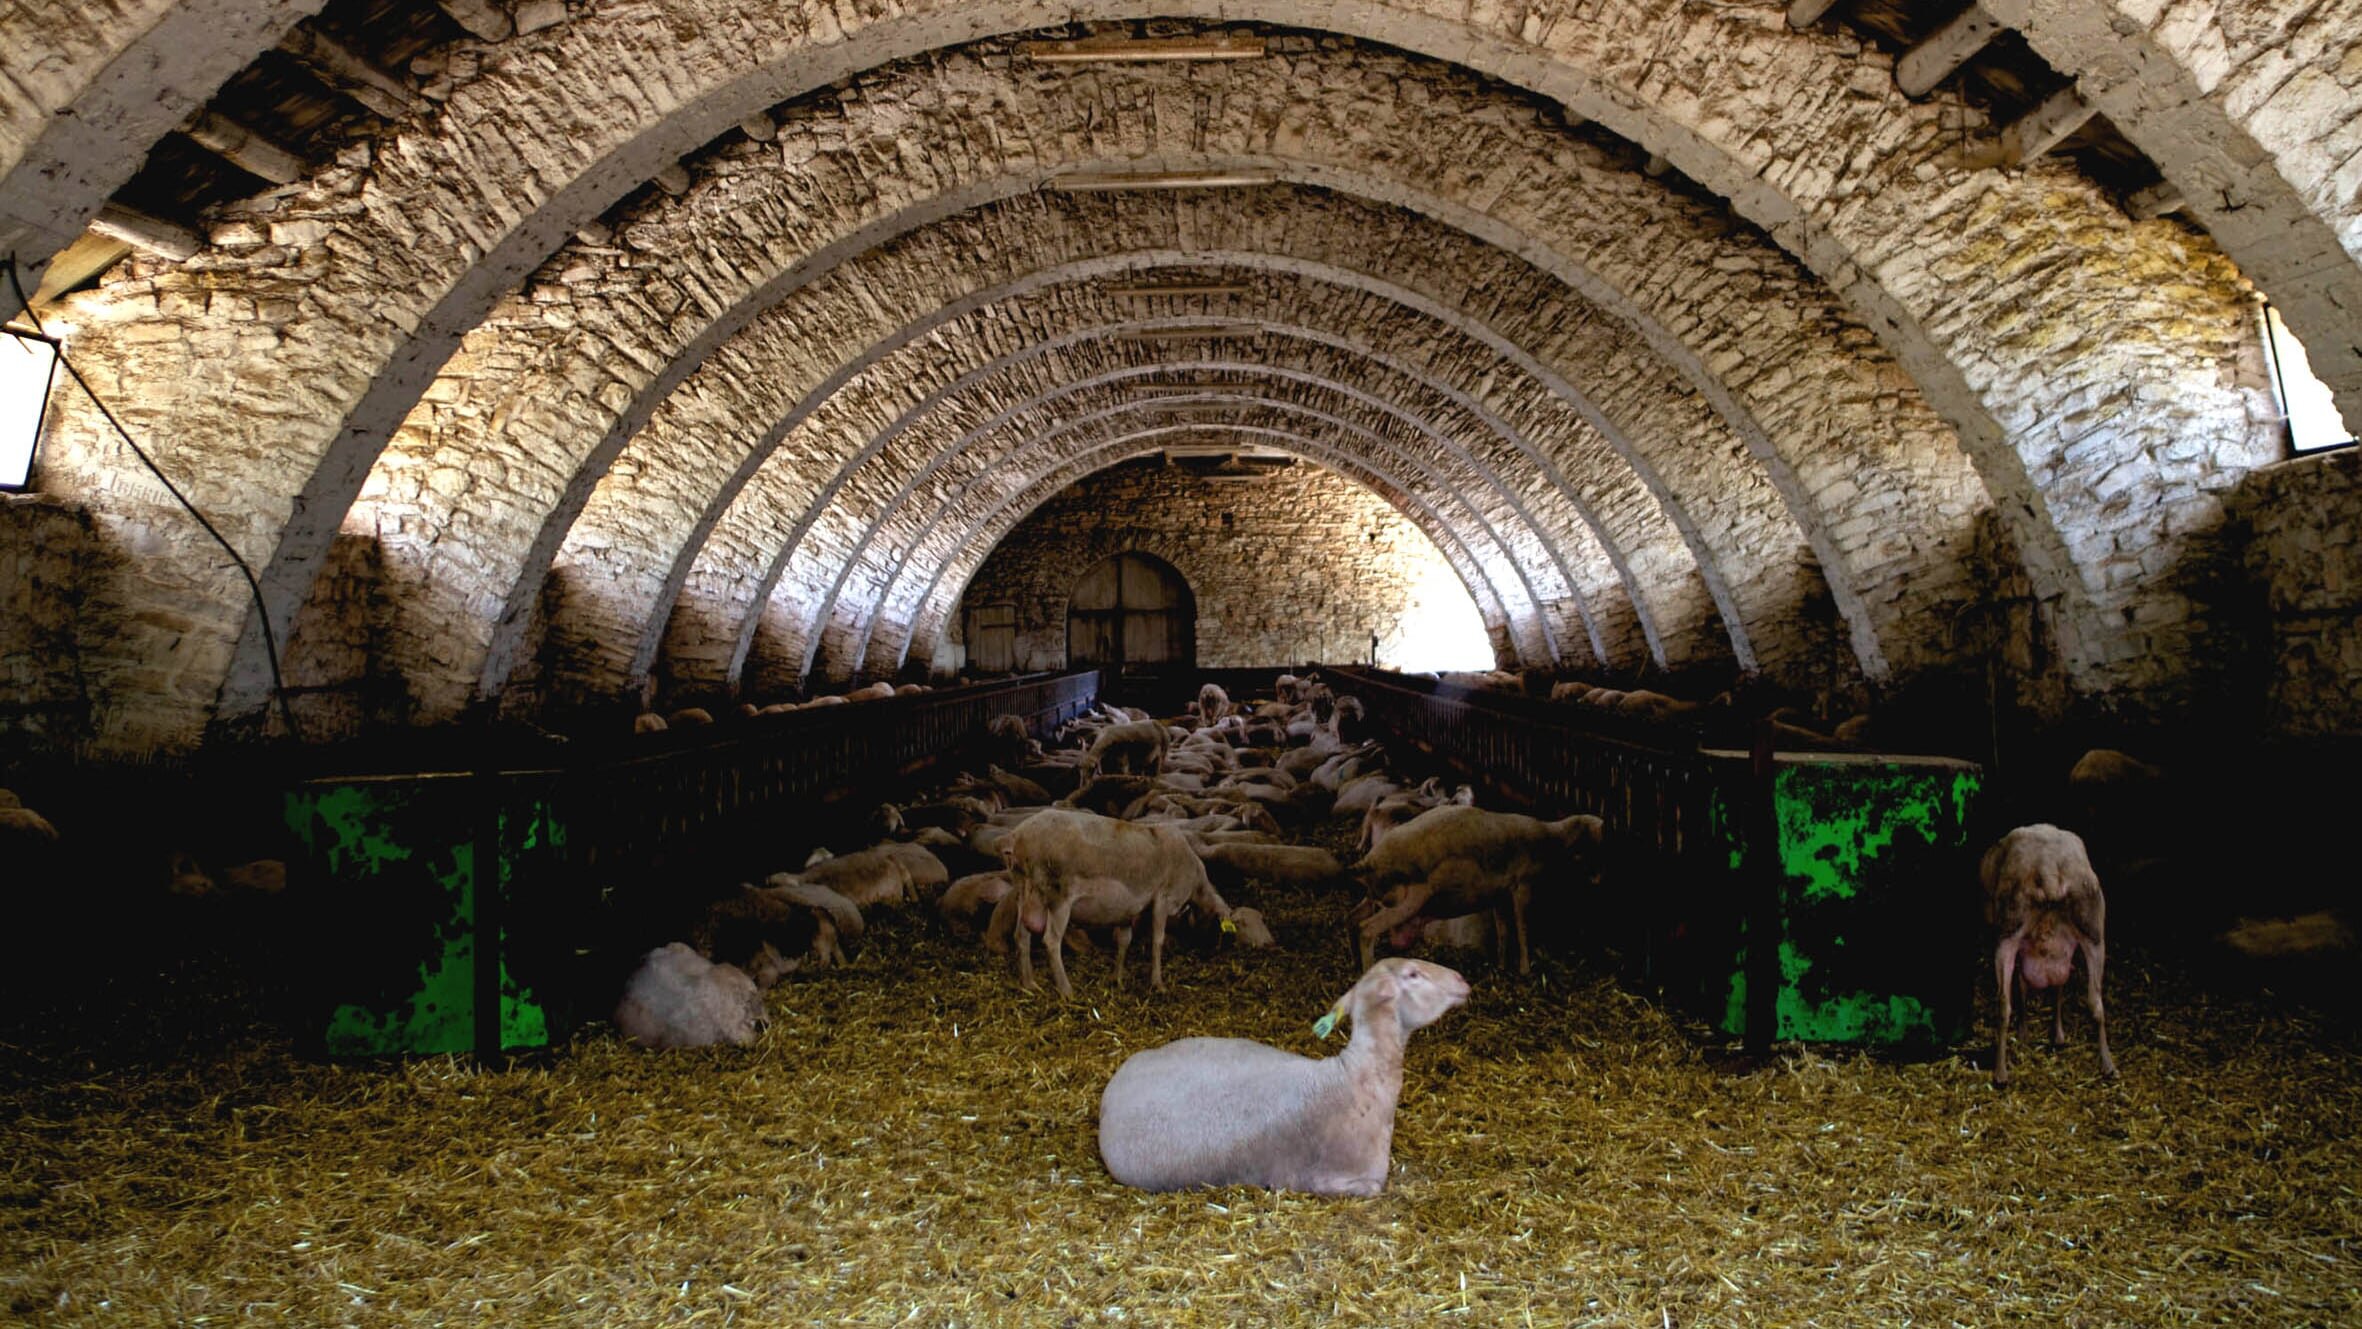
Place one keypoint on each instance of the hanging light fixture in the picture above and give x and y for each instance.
(28, 364)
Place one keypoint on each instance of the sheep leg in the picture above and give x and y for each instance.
(1157, 914)
(1520, 896)
(2095, 960)
(1054, 941)
(1023, 936)
(2058, 1016)
(1391, 917)
(1123, 947)
(2005, 968)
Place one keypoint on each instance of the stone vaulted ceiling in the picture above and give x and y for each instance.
(716, 343)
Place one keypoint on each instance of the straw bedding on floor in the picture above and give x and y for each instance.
(912, 1143)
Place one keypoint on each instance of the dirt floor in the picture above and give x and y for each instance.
(912, 1143)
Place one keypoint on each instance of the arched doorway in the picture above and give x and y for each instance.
(1131, 611)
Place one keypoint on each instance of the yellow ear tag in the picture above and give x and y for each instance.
(1228, 926)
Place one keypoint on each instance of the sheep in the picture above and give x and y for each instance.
(1212, 703)
(679, 999)
(2045, 901)
(1139, 745)
(970, 898)
(870, 877)
(874, 692)
(1364, 793)
(264, 876)
(1457, 860)
(1228, 1111)
(1280, 864)
(648, 722)
(775, 930)
(1007, 743)
(1398, 808)
(1069, 865)
(689, 717)
(1016, 788)
(1111, 796)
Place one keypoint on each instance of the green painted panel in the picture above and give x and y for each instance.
(1873, 859)
(404, 852)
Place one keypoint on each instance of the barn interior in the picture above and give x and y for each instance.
(405, 400)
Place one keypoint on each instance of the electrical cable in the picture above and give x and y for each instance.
(262, 614)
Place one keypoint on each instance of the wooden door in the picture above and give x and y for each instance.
(1131, 610)
(992, 638)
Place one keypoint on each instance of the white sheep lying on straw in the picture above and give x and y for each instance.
(1226, 1111)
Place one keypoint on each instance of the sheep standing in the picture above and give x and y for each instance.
(2042, 895)
(677, 999)
(1227, 1111)
(1072, 866)
(1456, 860)
(1138, 745)
(1212, 703)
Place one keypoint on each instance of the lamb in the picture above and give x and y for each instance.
(1456, 860)
(1138, 744)
(874, 692)
(1227, 1111)
(678, 999)
(2042, 895)
(689, 717)
(1077, 866)
(648, 722)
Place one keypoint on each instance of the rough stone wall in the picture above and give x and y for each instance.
(2302, 523)
(1976, 286)
(48, 550)
(1307, 568)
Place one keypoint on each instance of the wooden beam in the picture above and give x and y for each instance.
(673, 179)
(1945, 51)
(349, 72)
(1092, 49)
(1803, 14)
(2045, 127)
(2155, 201)
(483, 19)
(243, 148)
(89, 255)
(151, 234)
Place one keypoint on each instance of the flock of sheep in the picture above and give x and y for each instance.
(1125, 819)
(1152, 820)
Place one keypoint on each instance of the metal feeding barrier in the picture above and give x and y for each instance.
(1847, 863)
(493, 909)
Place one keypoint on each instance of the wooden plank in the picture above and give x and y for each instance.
(1094, 49)
(2155, 201)
(243, 148)
(349, 72)
(2045, 127)
(151, 234)
(89, 255)
(1803, 14)
(1945, 51)
(482, 18)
